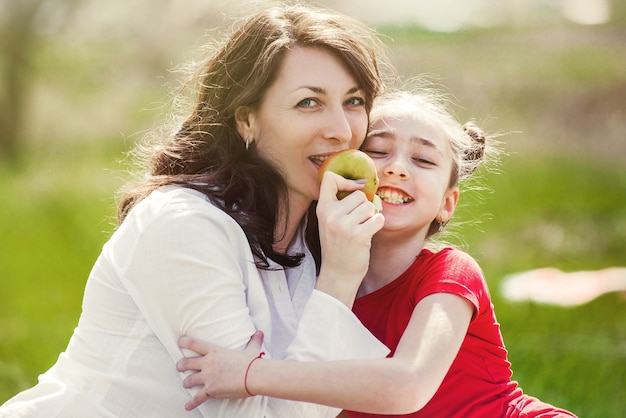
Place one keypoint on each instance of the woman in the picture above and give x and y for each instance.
(431, 308)
(212, 241)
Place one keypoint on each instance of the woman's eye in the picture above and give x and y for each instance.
(355, 101)
(307, 103)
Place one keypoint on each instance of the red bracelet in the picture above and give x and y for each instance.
(245, 378)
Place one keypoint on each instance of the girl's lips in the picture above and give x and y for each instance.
(393, 195)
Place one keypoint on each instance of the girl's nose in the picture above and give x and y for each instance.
(396, 168)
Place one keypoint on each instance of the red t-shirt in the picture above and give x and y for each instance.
(478, 383)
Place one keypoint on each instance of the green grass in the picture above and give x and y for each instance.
(568, 213)
(558, 200)
(57, 211)
(573, 357)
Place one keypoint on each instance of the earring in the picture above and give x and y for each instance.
(442, 224)
(247, 142)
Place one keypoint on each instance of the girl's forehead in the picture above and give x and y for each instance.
(409, 126)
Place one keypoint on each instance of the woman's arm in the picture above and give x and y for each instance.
(397, 385)
(346, 228)
(190, 271)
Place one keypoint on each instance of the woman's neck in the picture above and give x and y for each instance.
(390, 256)
(288, 224)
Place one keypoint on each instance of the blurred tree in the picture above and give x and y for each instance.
(21, 22)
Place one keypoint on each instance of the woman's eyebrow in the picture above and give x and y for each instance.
(314, 89)
(321, 90)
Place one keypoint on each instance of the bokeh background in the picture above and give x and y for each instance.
(83, 80)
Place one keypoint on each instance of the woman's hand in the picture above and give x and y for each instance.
(220, 371)
(346, 228)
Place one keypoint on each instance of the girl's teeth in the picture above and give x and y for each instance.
(391, 196)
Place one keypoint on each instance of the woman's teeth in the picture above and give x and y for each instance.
(318, 159)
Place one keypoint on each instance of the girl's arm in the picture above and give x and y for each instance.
(397, 385)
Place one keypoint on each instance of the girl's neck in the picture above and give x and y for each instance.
(390, 256)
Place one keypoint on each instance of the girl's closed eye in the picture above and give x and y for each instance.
(375, 153)
(375, 146)
(424, 161)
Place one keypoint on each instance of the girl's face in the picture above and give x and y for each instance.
(414, 163)
(313, 109)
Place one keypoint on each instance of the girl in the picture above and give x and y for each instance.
(431, 308)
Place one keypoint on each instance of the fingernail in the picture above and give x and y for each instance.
(361, 181)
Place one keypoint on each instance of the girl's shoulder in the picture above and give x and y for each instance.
(451, 270)
(451, 265)
(449, 257)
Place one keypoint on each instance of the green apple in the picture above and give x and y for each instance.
(354, 165)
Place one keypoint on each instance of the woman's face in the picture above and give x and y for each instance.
(314, 108)
(413, 161)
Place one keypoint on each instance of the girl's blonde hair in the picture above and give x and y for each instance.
(469, 145)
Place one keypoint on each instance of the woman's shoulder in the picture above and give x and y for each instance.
(172, 203)
(170, 196)
(177, 199)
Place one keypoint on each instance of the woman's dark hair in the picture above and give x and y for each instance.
(207, 153)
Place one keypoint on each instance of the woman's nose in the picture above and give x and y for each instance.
(339, 127)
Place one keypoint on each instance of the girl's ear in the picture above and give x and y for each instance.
(450, 200)
(245, 118)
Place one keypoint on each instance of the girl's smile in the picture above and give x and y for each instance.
(393, 196)
(414, 164)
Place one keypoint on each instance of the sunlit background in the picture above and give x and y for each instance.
(83, 80)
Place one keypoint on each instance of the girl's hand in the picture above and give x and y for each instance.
(346, 228)
(220, 371)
